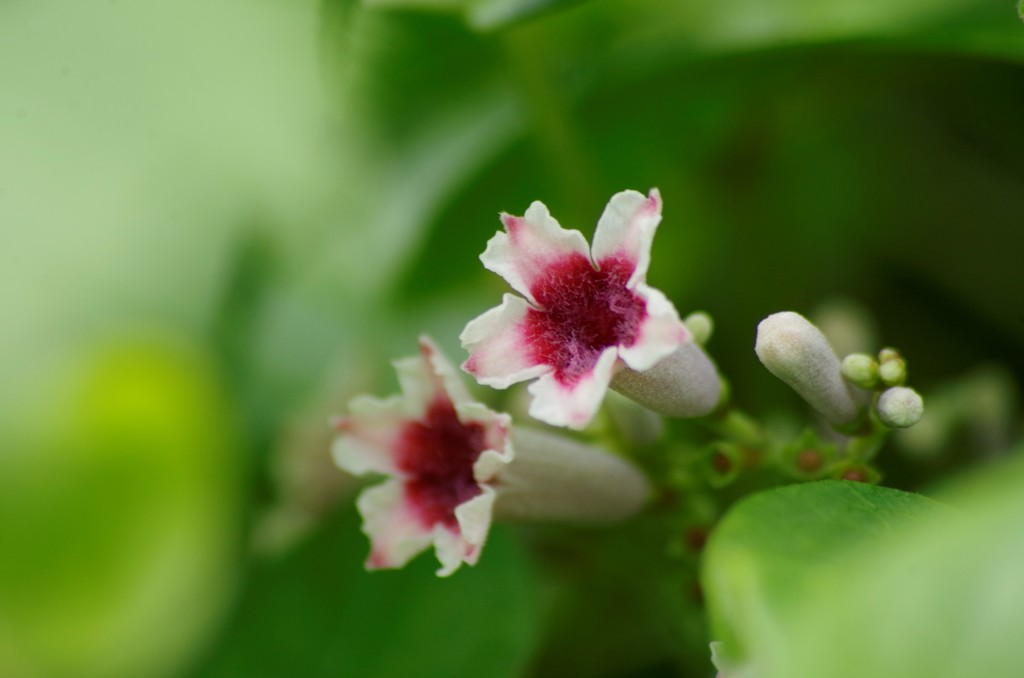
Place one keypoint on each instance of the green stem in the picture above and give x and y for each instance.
(864, 448)
(736, 426)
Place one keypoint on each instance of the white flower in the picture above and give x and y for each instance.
(588, 319)
(442, 451)
(452, 469)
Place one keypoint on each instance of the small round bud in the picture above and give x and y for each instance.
(700, 325)
(797, 352)
(900, 407)
(893, 372)
(887, 354)
(861, 370)
(724, 462)
(857, 475)
(809, 460)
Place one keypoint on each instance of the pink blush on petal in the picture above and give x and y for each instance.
(582, 312)
(436, 455)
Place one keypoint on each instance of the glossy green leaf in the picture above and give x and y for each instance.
(781, 548)
(846, 580)
(945, 600)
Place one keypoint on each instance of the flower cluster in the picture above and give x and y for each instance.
(586, 321)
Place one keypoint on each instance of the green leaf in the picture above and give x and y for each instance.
(482, 15)
(845, 580)
(318, 613)
(946, 600)
(488, 15)
(779, 548)
(417, 122)
(118, 513)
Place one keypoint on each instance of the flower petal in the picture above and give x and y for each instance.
(443, 375)
(368, 435)
(496, 426)
(626, 230)
(426, 378)
(499, 354)
(394, 531)
(454, 548)
(532, 242)
(660, 333)
(573, 404)
(492, 462)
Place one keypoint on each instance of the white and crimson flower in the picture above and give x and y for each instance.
(441, 449)
(452, 468)
(588, 320)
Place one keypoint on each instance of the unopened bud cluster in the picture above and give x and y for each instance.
(897, 406)
(797, 352)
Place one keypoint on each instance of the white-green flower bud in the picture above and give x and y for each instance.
(893, 371)
(887, 354)
(797, 352)
(700, 325)
(900, 407)
(861, 370)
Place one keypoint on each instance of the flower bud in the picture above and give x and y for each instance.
(797, 352)
(861, 370)
(900, 407)
(701, 326)
(892, 368)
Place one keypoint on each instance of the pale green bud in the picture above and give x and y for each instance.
(900, 407)
(797, 352)
(700, 325)
(861, 370)
(893, 371)
(887, 354)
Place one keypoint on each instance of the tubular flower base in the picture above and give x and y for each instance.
(452, 468)
(588, 315)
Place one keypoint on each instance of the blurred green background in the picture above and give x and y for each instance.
(220, 219)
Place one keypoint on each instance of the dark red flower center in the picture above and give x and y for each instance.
(437, 455)
(582, 312)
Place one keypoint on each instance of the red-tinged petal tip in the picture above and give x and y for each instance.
(511, 222)
(654, 200)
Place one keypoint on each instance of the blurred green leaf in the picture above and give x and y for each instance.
(778, 549)
(483, 15)
(488, 15)
(416, 123)
(318, 613)
(117, 515)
